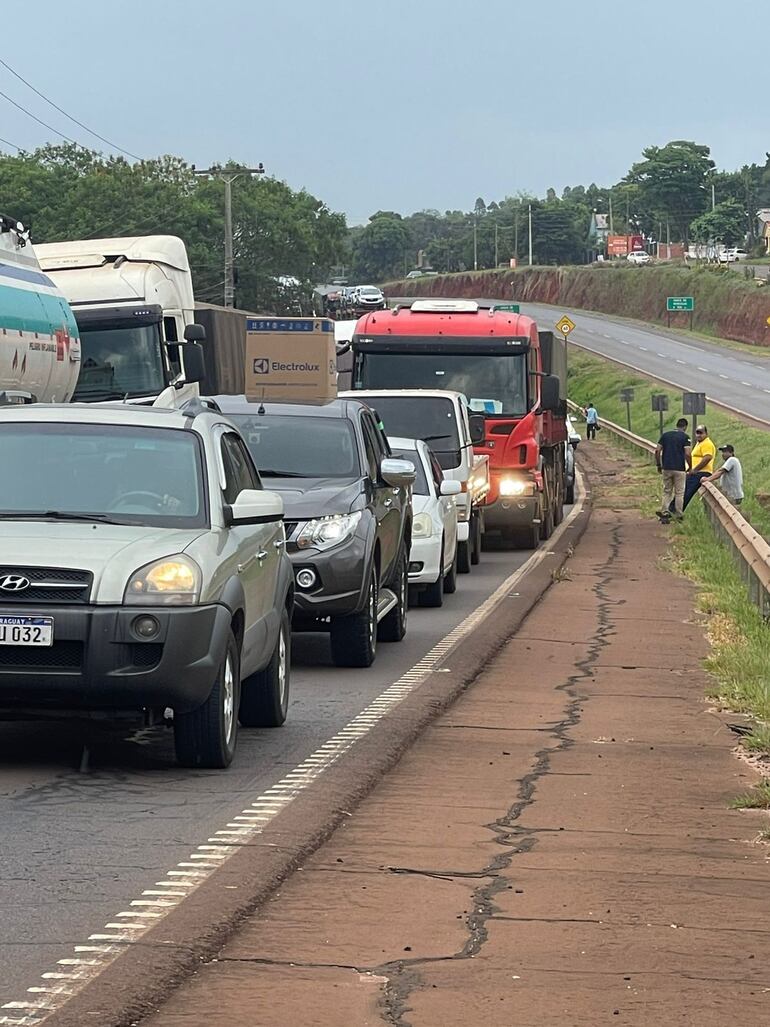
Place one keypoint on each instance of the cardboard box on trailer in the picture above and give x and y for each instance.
(291, 359)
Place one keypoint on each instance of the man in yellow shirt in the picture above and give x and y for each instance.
(703, 454)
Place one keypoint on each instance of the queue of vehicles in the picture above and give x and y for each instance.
(165, 548)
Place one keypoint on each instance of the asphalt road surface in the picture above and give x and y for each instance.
(737, 379)
(76, 847)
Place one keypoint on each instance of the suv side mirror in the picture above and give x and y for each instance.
(194, 333)
(255, 506)
(450, 487)
(193, 360)
(398, 473)
(478, 426)
(550, 400)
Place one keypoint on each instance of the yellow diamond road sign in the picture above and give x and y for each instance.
(565, 325)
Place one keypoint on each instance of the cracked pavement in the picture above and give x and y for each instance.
(557, 848)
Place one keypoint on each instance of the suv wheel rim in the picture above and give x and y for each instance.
(282, 666)
(228, 697)
(404, 591)
(373, 614)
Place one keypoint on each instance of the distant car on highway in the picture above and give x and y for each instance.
(639, 257)
(420, 272)
(369, 297)
(348, 517)
(732, 255)
(142, 567)
(433, 554)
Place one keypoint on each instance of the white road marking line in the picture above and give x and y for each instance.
(749, 384)
(726, 377)
(677, 360)
(324, 757)
(644, 349)
(703, 369)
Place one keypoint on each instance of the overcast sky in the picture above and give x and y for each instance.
(402, 104)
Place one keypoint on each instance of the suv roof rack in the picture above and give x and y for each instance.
(199, 405)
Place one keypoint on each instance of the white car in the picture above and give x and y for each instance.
(369, 297)
(433, 555)
(638, 257)
(732, 255)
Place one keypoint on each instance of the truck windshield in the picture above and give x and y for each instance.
(494, 384)
(116, 473)
(429, 418)
(300, 447)
(119, 360)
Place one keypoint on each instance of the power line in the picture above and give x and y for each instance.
(6, 142)
(66, 115)
(39, 120)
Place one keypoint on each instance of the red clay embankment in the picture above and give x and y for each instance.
(726, 305)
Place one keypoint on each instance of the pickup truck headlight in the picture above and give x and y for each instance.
(516, 487)
(327, 532)
(173, 581)
(422, 526)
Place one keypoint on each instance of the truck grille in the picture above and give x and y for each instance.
(59, 656)
(47, 585)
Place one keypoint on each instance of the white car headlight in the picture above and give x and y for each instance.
(515, 487)
(327, 532)
(422, 526)
(173, 581)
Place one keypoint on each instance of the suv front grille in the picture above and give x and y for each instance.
(47, 585)
(59, 656)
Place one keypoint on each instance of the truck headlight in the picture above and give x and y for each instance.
(173, 581)
(515, 487)
(422, 526)
(327, 532)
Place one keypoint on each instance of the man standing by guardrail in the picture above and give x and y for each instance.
(673, 459)
(703, 454)
(731, 474)
(592, 420)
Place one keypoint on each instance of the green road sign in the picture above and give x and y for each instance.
(512, 308)
(680, 303)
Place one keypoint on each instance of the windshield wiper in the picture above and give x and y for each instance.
(435, 438)
(56, 515)
(270, 472)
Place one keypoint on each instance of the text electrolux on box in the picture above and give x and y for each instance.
(277, 365)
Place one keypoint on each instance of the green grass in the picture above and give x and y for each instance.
(739, 638)
(757, 798)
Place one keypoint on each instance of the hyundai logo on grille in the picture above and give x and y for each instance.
(14, 583)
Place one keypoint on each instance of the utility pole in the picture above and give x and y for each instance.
(228, 176)
(612, 225)
(713, 196)
(516, 231)
(497, 252)
(475, 244)
(530, 235)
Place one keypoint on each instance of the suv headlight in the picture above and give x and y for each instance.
(422, 526)
(327, 532)
(173, 581)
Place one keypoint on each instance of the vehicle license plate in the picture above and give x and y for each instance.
(26, 630)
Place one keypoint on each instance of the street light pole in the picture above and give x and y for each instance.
(228, 177)
(530, 235)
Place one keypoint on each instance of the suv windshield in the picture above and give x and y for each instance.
(120, 473)
(428, 417)
(300, 447)
(494, 384)
(119, 360)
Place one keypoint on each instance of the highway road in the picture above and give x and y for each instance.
(77, 847)
(735, 378)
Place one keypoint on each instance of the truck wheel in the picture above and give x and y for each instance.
(206, 736)
(265, 695)
(475, 539)
(393, 625)
(464, 557)
(433, 595)
(570, 496)
(450, 578)
(546, 523)
(354, 639)
(524, 538)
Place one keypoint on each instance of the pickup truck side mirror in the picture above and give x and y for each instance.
(255, 506)
(194, 333)
(550, 400)
(478, 427)
(450, 487)
(193, 360)
(398, 473)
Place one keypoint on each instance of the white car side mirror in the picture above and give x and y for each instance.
(255, 506)
(449, 487)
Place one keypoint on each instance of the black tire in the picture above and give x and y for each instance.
(464, 557)
(392, 627)
(265, 695)
(546, 523)
(433, 595)
(207, 736)
(450, 578)
(570, 494)
(526, 538)
(476, 540)
(354, 639)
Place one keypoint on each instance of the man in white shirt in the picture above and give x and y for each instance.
(731, 475)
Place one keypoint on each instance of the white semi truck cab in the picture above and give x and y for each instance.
(133, 301)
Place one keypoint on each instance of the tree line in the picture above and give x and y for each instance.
(674, 193)
(67, 192)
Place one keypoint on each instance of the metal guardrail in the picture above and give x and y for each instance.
(750, 550)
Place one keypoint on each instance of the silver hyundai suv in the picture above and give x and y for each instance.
(142, 569)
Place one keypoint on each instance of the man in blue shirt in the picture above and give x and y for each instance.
(592, 419)
(673, 459)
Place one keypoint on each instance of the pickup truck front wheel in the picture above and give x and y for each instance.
(354, 638)
(393, 624)
(206, 736)
(265, 695)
